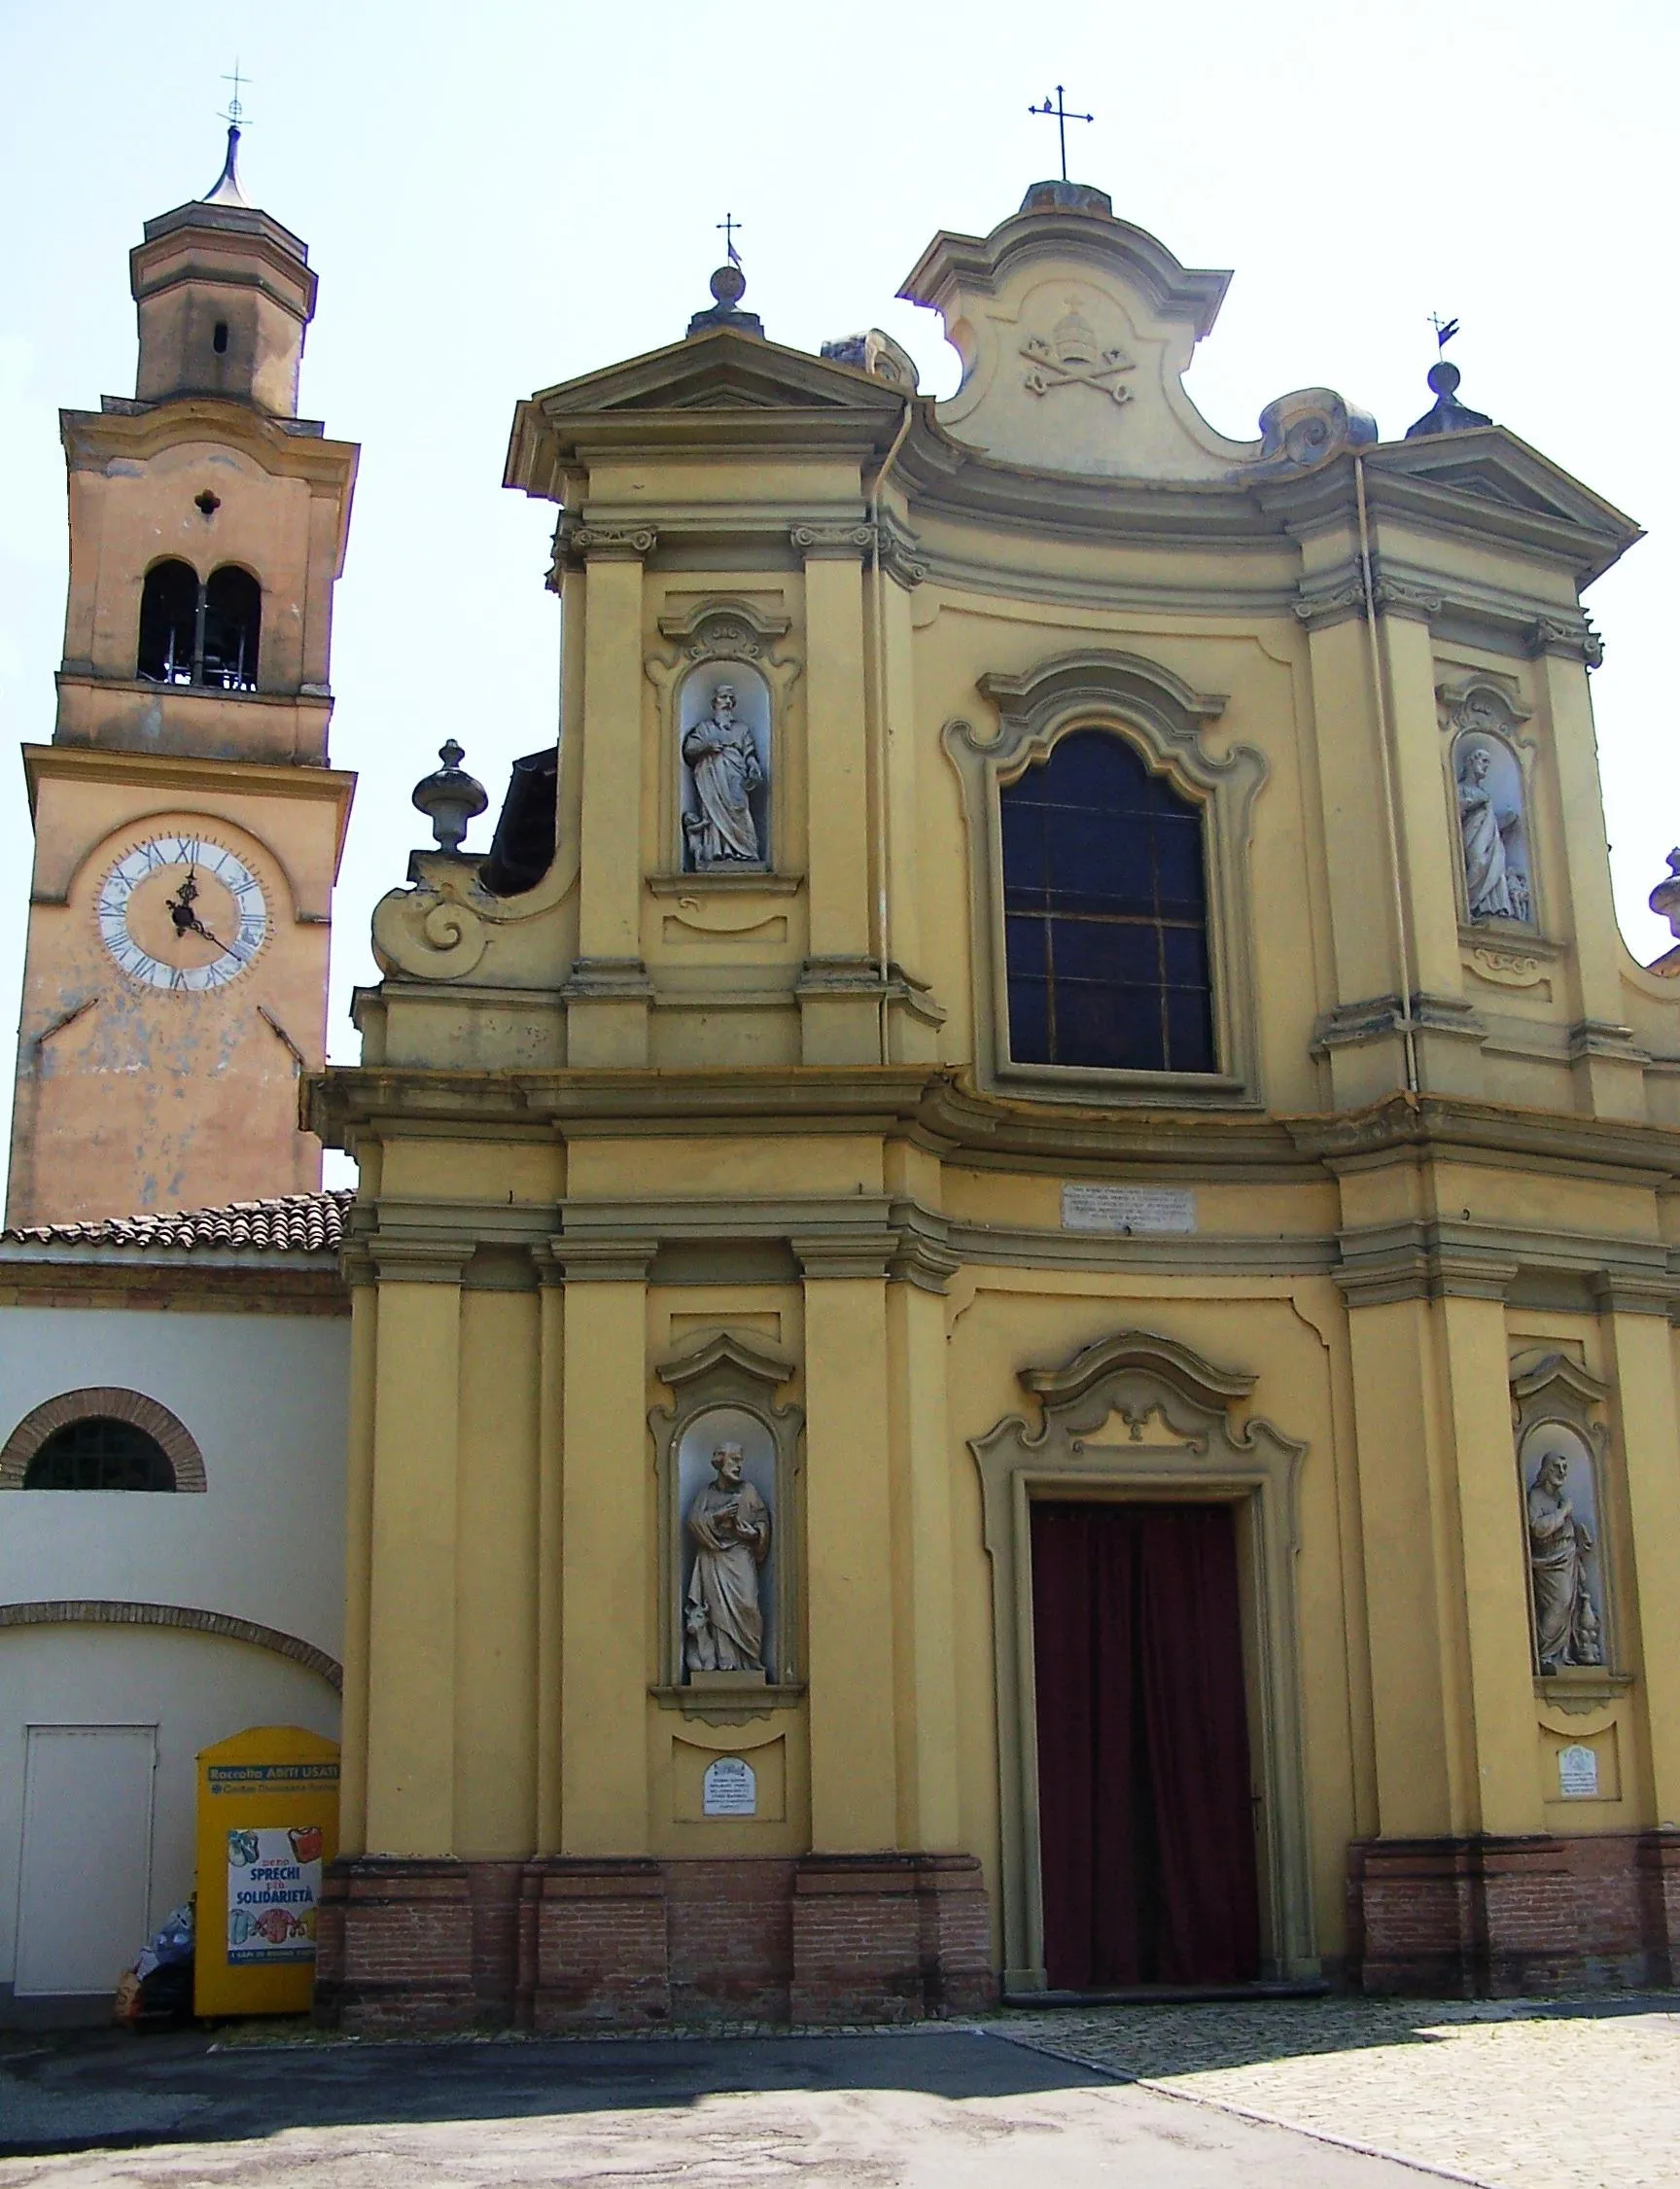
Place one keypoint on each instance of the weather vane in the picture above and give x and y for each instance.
(1062, 116)
(235, 114)
(729, 224)
(1444, 330)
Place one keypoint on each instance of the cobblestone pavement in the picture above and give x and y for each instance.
(1513, 2095)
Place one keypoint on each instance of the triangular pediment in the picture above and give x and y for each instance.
(1491, 464)
(1490, 469)
(718, 369)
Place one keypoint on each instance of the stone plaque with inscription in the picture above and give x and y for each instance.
(729, 1789)
(1578, 1773)
(1128, 1208)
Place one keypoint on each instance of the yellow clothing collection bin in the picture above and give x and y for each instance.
(267, 1825)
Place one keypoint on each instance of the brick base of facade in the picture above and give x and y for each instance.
(1497, 1918)
(568, 1944)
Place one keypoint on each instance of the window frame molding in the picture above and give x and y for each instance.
(102, 1402)
(1163, 718)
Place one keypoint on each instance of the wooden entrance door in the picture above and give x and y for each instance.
(1146, 1814)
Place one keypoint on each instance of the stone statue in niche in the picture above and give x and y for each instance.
(1567, 1629)
(726, 767)
(728, 1525)
(1491, 827)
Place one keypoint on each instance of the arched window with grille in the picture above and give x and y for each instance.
(168, 623)
(205, 634)
(1105, 913)
(99, 1453)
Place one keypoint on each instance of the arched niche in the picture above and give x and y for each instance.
(725, 768)
(1558, 1409)
(724, 1392)
(1492, 806)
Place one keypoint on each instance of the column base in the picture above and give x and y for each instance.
(566, 1944)
(393, 1946)
(1487, 1917)
(889, 1938)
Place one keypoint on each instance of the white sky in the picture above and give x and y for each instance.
(501, 196)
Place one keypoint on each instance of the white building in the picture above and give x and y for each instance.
(203, 1359)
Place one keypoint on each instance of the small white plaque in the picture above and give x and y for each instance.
(1578, 1773)
(1128, 1208)
(730, 1788)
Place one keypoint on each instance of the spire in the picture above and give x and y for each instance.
(225, 190)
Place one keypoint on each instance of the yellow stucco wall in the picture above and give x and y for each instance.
(633, 1108)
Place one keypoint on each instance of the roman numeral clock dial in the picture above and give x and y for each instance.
(182, 913)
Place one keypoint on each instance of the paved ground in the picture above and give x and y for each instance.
(939, 2109)
(1329, 2094)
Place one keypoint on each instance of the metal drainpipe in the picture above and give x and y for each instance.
(883, 932)
(1402, 926)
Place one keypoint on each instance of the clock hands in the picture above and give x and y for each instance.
(187, 921)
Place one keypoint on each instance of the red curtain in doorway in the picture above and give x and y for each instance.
(1146, 1816)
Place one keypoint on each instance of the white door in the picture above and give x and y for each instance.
(83, 1896)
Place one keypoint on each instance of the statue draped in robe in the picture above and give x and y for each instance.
(722, 754)
(1493, 888)
(1566, 1629)
(729, 1526)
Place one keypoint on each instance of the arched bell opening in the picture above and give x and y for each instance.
(199, 634)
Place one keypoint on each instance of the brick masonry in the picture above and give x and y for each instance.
(566, 1944)
(1490, 1917)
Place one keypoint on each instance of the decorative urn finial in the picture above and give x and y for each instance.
(1448, 415)
(729, 286)
(1665, 899)
(451, 798)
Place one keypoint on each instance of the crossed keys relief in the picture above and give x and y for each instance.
(1072, 358)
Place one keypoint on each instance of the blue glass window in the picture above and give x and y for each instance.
(1105, 914)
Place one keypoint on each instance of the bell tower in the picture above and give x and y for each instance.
(188, 825)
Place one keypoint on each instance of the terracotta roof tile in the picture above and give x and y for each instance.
(291, 1224)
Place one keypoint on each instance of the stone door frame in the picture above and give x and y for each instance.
(1176, 1443)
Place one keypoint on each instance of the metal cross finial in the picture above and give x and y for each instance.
(729, 226)
(235, 112)
(1444, 330)
(1062, 116)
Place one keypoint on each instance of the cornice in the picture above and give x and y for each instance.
(279, 779)
(953, 262)
(1443, 1124)
(92, 438)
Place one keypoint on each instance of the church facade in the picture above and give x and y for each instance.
(1014, 1273)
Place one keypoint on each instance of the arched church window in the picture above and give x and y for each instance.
(168, 623)
(202, 634)
(233, 627)
(98, 1453)
(1105, 913)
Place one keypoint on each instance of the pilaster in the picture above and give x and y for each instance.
(1642, 1348)
(1362, 1031)
(849, 1530)
(411, 1619)
(605, 1496)
(608, 994)
(839, 992)
(1403, 1459)
(358, 1551)
(550, 1576)
(1607, 1070)
(1500, 1665)
(928, 1733)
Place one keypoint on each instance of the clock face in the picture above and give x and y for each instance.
(182, 913)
